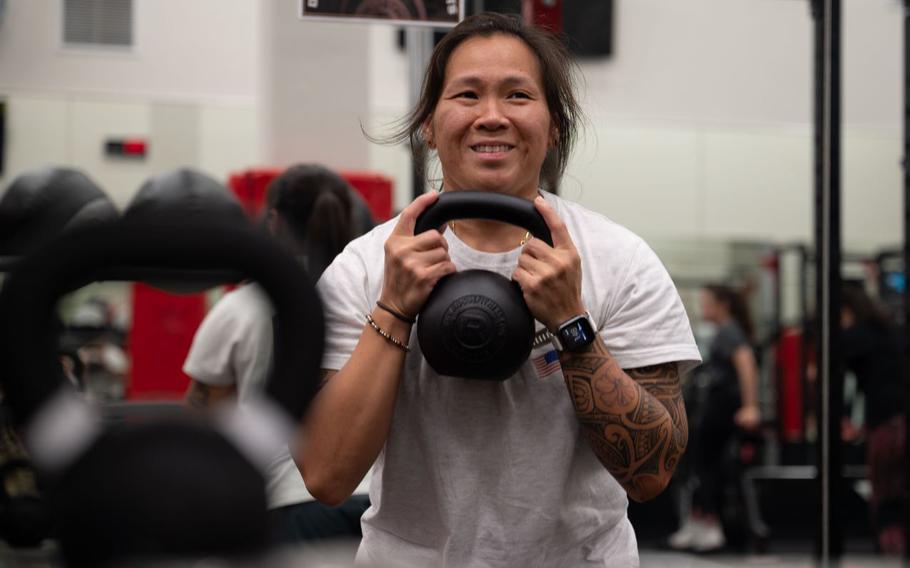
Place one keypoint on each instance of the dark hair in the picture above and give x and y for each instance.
(864, 308)
(556, 70)
(315, 203)
(736, 304)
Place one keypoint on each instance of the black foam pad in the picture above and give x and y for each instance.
(159, 491)
(185, 193)
(38, 205)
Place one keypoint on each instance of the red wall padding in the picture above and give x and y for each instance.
(160, 337)
(250, 186)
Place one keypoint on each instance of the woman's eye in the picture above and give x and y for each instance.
(466, 95)
(519, 95)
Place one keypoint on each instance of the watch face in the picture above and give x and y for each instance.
(577, 334)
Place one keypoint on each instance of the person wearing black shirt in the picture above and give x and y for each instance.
(731, 403)
(872, 351)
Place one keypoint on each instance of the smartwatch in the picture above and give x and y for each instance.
(575, 334)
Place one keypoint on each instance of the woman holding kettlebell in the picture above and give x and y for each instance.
(534, 470)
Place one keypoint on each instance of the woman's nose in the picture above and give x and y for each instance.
(491, 115)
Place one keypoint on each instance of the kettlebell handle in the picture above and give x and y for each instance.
(471, 204)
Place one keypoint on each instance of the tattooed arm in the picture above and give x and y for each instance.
(201, 396)
(634, 420)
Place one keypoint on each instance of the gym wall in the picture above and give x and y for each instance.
(188, 85)
(72, 129)
(315, 90)
(206, 50)
(699, 122)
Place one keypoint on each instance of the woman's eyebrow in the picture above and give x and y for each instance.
(465, 81)
(519, 81)
(476, 80)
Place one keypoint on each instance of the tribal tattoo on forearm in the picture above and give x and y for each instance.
(634, 420)
(198, 396)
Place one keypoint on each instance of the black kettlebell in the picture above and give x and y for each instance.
(155, 487)
(475, 323)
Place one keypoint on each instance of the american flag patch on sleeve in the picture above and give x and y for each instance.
(546, 364)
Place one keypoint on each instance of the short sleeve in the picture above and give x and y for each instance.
(729, 339)
(645, 322)
(346, 297)
(210, 358)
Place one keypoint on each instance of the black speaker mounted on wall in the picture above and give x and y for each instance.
(587, 25)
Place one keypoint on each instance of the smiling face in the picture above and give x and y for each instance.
(491, 126)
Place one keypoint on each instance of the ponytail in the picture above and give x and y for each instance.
(328, 231)
(315, 205)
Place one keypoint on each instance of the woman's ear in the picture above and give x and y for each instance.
(427, 132)
(554, 136)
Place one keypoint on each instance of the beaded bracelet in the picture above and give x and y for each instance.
(388, 337)
(395, 313)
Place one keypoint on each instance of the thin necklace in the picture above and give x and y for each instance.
(524, 240)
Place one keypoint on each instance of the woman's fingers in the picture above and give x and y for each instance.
(413, 263)
(551, 265)
(429, 258)
(558, 229)
(408, 218)
(428, 240)
(550, 281)
(439, 270)
(534, 265)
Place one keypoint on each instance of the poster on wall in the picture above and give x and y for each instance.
(435, 13)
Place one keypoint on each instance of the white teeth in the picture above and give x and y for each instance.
(490, 149)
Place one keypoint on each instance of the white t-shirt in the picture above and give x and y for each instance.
(497, 474)
(234, 346)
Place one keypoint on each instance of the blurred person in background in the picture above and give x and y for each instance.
(871, 348)
(730, 405)
(311, 209)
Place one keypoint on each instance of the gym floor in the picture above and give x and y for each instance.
(651, 559)
(339, 556)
